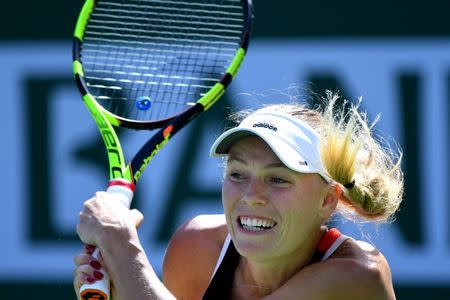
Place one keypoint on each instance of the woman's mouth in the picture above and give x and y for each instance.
(256, 223)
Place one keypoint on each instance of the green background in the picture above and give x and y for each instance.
(54, 20)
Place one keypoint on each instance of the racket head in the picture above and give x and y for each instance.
(145, 62)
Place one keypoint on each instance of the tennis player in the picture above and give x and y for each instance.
(288, 170)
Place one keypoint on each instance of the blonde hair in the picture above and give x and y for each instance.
(365, 166)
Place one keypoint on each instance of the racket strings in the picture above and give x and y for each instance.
(150, 60)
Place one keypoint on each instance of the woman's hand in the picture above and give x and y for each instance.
(104, 217)
(104, 221)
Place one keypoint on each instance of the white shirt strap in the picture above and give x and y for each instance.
(335, 245)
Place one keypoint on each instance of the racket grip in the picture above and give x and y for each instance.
(100, 290)
(123, 189)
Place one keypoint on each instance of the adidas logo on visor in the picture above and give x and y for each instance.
(265, 125)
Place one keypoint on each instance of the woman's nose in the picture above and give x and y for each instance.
(255, 193)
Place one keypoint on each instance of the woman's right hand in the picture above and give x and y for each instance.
(103, 219)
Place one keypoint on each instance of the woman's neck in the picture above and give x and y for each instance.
(258, 278)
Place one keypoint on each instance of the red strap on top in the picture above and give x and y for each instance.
(328, 239)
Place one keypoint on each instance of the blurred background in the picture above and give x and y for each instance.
(394, 54)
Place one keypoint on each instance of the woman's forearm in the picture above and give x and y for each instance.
(132, 274)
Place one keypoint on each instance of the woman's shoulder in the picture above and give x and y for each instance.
(360, 251)
(192, 254)
(356, 270)
(209, 225)
(366, 263)
(203, 235)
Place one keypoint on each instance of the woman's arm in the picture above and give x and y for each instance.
(132, 273)
(358, 271)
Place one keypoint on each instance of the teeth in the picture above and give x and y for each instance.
(255, 223)
(252, 228)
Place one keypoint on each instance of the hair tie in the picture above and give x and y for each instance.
(350, 184)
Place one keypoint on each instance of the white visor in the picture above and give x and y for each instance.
(293, 141)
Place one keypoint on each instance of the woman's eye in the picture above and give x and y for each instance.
(278, 180)
(236, 176)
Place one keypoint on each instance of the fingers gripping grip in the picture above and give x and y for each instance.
(100, 290)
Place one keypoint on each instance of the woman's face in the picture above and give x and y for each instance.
(271, 211)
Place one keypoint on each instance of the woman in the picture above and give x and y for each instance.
(288, 169)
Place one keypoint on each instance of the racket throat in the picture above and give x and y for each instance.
(142, 159)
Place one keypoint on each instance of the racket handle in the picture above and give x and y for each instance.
(123, 189)
(100, 290)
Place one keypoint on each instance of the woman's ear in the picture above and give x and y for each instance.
(330, 201)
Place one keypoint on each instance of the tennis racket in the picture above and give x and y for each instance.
(153, 64)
